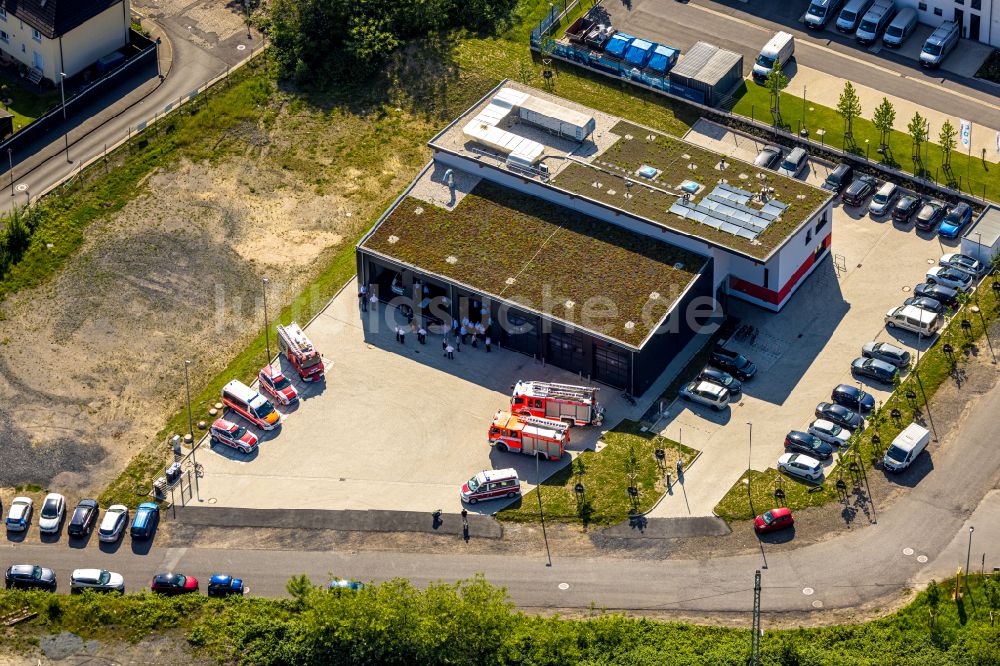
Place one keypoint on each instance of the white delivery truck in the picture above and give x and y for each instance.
(779, 49)
(906, 447)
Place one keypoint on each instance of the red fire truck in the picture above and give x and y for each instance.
(529, 435)
(574, 405)
(299, 351)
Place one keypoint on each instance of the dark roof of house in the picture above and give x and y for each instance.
(54, 18)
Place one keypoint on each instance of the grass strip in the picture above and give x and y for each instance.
(627, 459)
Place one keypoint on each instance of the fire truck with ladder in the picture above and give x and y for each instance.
(300, 352)
(574, 405)
(530, 435)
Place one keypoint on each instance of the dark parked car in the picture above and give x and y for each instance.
(839, 415)
(224, 585)
(803, 442)
(147, 517)
(84, 518)
(883, 351)
(938, 292)
(30, 577)
(733, 363)
(875, 369)
(905, 208)
(839, 178)
(929, 215)
(925, 303)
(853, 398)
(721, 378)
(769, 157)
(172, 583)
(859, 190)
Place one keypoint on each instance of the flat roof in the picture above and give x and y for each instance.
(590, 274)
(605, 168)
(986, 230)
(706, 63)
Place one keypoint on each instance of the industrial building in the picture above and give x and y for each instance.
(982, 240)
(596, 244)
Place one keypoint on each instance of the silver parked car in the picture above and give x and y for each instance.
(801, 466)
(113, 524)
(99, 580)
(706, 393)
(887, 353)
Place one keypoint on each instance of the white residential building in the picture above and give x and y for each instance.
(980, 19)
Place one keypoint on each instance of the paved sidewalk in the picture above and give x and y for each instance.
(825, 89)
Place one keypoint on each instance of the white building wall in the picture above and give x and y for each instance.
(989, 13)
(22, 46)
(106, 32)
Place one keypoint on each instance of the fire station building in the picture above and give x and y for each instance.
(596, 244)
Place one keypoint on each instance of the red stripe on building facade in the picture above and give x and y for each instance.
(776, 297)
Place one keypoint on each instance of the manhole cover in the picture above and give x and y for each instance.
(922, 559)
(807, 591)
(241, 47)
(21, 187)
(563, 586)
(212, 500)
(907, 551)
(817, 604)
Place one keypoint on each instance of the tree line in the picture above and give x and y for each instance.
(322, 43)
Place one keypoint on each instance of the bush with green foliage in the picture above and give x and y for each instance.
(323, 42)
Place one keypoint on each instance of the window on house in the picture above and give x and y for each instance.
(976, 4)
(938, 11)
(4, 37)
(821, 222)
(35, 35)
(922, 6)
(809, 236)
(767, 275)
(3, 13)
(959, 2)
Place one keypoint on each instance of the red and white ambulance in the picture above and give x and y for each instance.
(491, 484)
(250, 405)
(300, 352)
(529, 435)
(574, 405)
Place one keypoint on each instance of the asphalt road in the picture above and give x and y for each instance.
(196, 57)
(921, 535)
(744, 28)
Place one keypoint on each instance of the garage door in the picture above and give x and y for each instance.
(565, 350)
(611, 366)
(520, 333)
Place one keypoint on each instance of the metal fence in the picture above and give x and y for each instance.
(146, 58)
(557, 10)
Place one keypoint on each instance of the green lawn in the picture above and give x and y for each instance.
(935, 368)
(605, 476)
(25, 104)
(969, 175)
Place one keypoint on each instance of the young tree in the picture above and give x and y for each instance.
(884, 118)
(947, 140)
(775, 82)
(849, 107)
(918, 132)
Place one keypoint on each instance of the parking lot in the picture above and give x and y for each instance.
(394, 427)
(802, 353)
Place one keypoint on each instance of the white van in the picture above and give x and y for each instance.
(851, 14)
(901, 28)
(906, 447)
(875, 21)
(916, 320)
(820, 12)
(939, 44)
(780, 49)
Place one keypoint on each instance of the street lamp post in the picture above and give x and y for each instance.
(541, 514)
(267, 334)
(194, 444)
(10, 161)
(62, 90)
(968, 556)
(749, 455)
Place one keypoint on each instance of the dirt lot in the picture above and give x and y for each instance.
(92, 361)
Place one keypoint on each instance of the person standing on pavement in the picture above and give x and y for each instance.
(402, 335)
(363, 298)
(488, 342)
(373, 300)
(444, 342)
(422, 335)
(449, 351)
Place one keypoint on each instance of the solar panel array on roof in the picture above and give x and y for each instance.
(725, 209)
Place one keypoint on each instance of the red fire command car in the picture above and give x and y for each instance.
(529, 435)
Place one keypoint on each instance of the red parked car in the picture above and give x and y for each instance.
(172, 583)
(276, 384)
(775, 519)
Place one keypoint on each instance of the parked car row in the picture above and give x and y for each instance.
(789, 164)
(871, 20)
(718, 384)
(35, 577)
(888, 199)
(84, 518)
